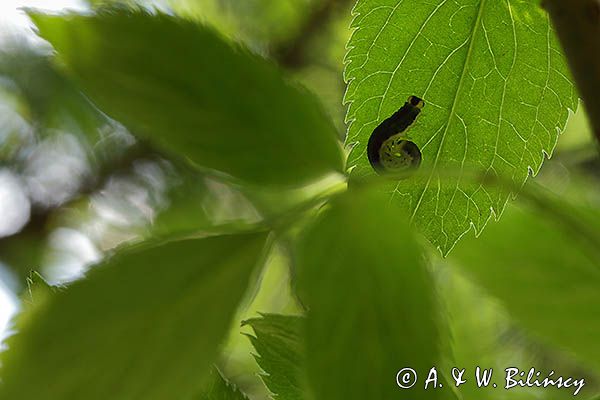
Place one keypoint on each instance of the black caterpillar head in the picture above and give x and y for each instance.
(416, 102)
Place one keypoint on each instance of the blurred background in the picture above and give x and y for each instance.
(75, 184)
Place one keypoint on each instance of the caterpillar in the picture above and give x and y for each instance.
(388, 149)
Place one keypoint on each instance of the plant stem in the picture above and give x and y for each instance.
(577, 23)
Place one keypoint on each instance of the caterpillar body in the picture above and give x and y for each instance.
(388, 150)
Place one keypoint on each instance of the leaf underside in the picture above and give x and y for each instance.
(194, 95)
(145, 324)
(497, 92)
(548, 275)
(373, 309)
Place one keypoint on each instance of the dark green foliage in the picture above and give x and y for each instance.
(234, 145)
(545, 275)
(371, 307)
(195, 95)
(278, 340)
(217, 387)
(146, 321)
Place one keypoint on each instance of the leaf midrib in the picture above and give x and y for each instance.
(474, 31)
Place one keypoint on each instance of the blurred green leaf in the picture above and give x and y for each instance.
(497, 91)
(485, 336)
(199, 203)
(24, 251)
(193, 94)
(145, 324)
(37, 283)
(257, 22)
(278, 341)
(371, 304)
(15, 130)
(546, 273)
(53, 102)
(185, 212)
(218, 388)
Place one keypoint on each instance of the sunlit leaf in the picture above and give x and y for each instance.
(145, 324)
(497, 91)
(195, 95)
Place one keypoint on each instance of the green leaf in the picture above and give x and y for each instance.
(193, 94)
(145, 324)
(186, 211)
(485, 336)
(497, 91)
(218, 388)
(278, 342)
(546, 273)
(371, 304)
(51, 102)
(261, 23)
(37, 283)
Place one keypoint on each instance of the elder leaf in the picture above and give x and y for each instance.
(497, 92)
